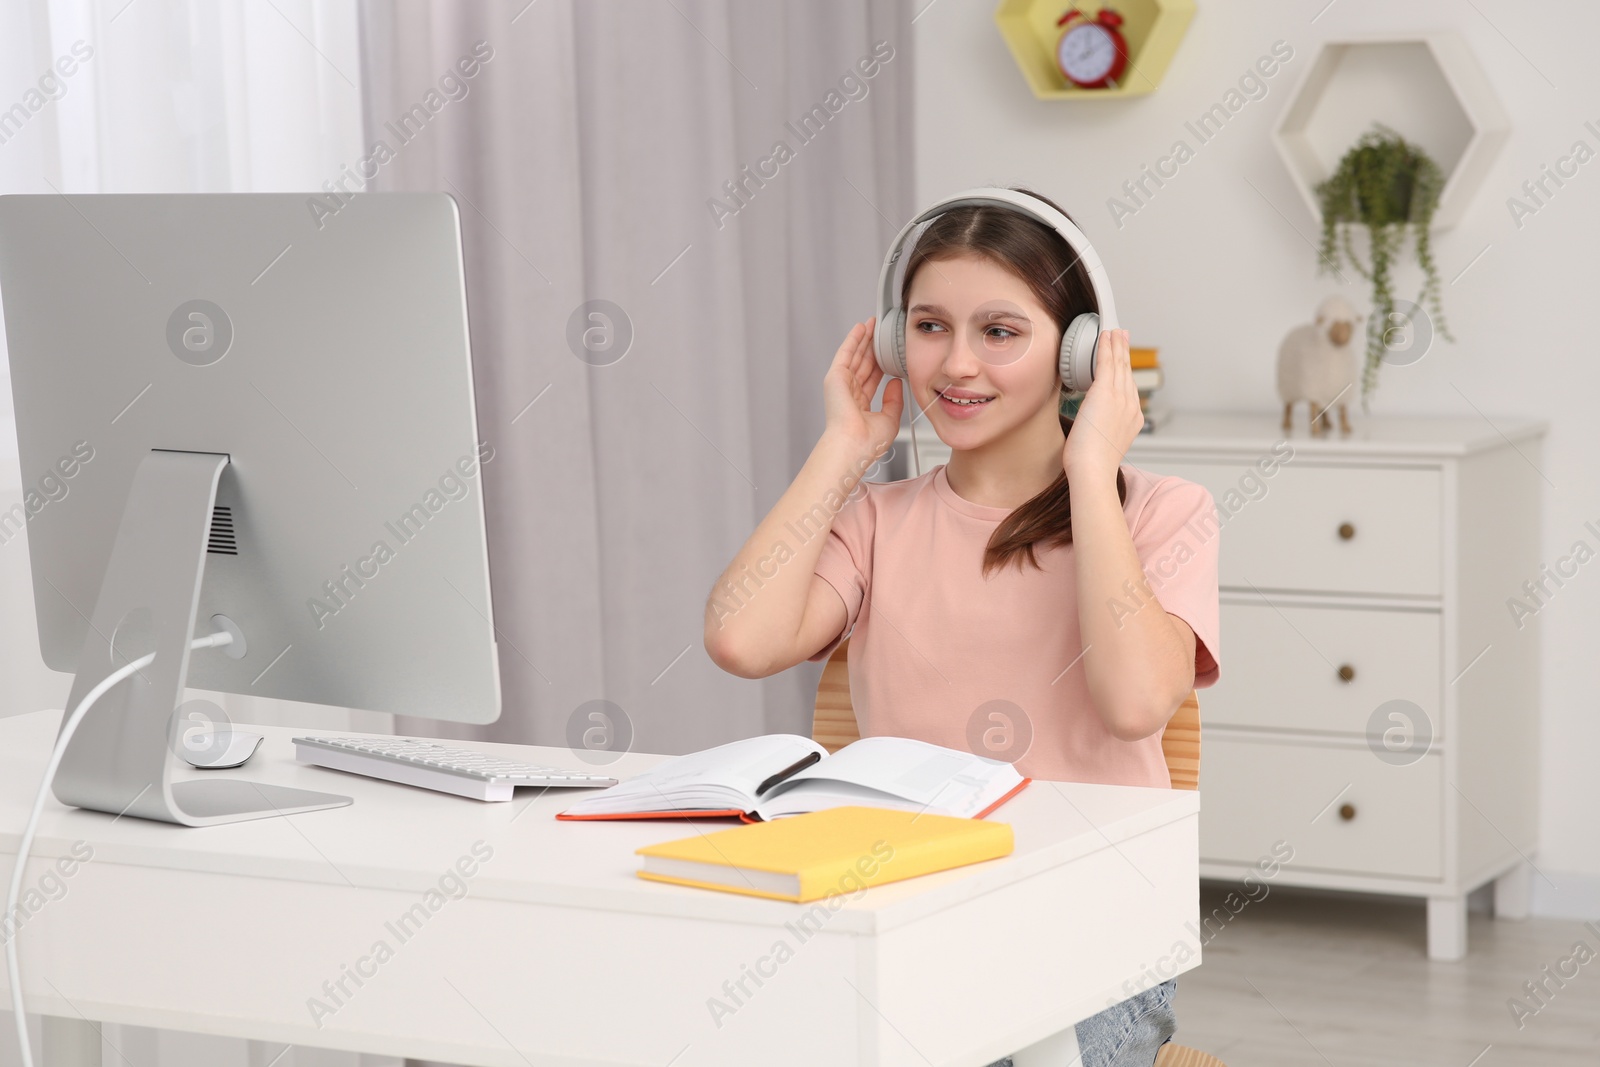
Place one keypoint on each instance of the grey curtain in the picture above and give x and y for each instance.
(637, 442)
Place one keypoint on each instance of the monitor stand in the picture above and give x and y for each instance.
(122, 756)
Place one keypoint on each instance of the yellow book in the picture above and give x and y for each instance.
(837, 850)
(1142, 358)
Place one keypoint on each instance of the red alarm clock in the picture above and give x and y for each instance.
(1092, 54)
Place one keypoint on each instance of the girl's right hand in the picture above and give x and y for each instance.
(848, 389)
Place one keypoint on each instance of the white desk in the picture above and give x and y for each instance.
(559, 955)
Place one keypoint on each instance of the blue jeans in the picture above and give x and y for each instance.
(1128, 1034)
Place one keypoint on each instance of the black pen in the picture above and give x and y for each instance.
(795, 768)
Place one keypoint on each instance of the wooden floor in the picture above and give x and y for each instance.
(1301, 979)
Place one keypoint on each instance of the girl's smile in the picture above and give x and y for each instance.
(963, 403)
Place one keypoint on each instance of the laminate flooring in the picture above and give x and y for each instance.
(1302, 978)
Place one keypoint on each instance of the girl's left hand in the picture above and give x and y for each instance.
(1109, 417)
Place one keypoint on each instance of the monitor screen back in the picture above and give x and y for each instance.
(327, 355)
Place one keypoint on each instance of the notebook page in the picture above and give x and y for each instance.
(925, 774)
(819, 794)
(723, 776)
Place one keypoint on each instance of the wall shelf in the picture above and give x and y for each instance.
(1427, 87)
(1152, 28)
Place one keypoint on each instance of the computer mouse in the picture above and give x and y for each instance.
(219, 751)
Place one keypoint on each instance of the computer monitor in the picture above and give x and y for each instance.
(236, 410)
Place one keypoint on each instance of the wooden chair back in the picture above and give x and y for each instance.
(833, 722)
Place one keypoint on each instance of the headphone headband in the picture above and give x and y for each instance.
(994, 196)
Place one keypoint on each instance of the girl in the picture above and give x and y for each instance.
(1034, 599)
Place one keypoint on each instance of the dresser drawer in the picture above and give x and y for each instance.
(1325, 529)
(1254, 793)
(1287, 666)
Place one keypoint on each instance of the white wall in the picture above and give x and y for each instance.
(1220, 263)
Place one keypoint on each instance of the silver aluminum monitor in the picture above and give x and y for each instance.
(229, 405)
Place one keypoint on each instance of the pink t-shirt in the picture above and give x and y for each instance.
(940, 653)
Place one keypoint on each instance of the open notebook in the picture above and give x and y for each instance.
(768, 777)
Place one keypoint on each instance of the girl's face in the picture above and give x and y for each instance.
(975, 330)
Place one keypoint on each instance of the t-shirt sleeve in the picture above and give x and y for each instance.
(846, 560)
(1176, 538)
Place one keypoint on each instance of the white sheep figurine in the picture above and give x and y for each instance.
(1317, 364)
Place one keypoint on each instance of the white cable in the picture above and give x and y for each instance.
(916, 453)
(14, 973)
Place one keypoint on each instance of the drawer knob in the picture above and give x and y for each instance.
(1347, 812)
(1346, 531)
(1346, 672)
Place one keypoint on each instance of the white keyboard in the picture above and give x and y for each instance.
(462, 771)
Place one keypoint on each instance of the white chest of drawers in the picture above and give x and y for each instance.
(1378, 708)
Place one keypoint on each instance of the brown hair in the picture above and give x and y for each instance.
(1041, 257)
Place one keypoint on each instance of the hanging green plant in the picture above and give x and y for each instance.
(1388, 185)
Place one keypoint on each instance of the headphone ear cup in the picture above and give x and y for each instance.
(1078, 352)
(889, 343)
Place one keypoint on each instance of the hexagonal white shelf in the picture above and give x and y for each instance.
(1428, 88)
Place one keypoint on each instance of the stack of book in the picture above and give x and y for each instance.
(1147, 378)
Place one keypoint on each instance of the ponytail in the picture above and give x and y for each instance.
(1044, 519)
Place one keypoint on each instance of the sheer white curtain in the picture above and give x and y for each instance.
(174, 96)
(589, 150)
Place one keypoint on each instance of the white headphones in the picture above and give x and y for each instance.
(1078, 340)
